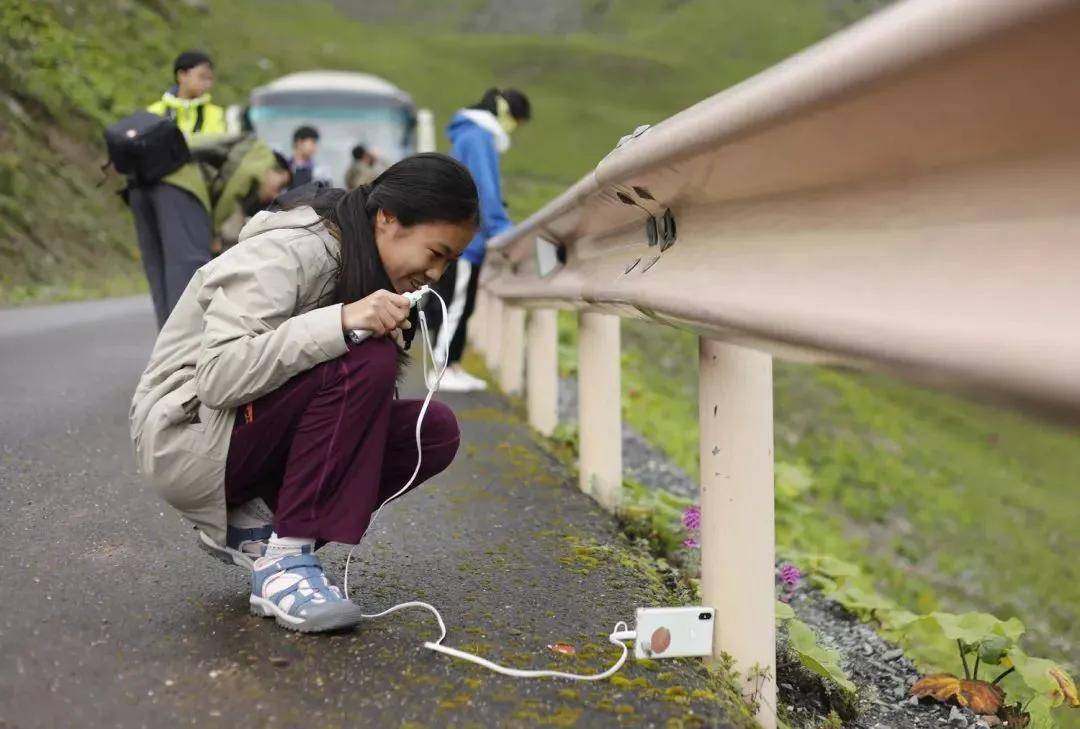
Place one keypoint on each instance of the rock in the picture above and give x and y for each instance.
(279, 661)
(990, 720)
(913, 701)
(892, 655)
(957, 718)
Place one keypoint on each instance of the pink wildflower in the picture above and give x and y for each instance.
(790, 575)
(691, 518)
(691, 543)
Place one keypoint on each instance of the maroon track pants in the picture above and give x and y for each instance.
(329, 446)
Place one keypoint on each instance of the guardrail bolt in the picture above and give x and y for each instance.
(667, 230)
(651, 233)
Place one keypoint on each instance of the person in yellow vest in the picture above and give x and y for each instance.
(178, 220)
(188, 102)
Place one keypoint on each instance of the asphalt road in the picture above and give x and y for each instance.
(112, 618)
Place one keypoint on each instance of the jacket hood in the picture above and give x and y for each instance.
(467, 118)
(302, 217)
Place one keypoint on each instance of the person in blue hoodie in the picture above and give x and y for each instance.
(478, 135)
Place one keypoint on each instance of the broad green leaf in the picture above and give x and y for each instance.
(862, 602)
(973, 628)
(1037, 674)
(783, 612)
(833, 567)
(826, 584)
(1041, 710)
(821, 660)
(993, 649)
(896, 620)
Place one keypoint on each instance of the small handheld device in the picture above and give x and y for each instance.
(355, 336)
(674, 632)
(415, 297)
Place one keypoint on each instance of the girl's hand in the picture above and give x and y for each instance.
(380, 313)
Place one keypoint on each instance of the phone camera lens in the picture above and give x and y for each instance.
(704, 616)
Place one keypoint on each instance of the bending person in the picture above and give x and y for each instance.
(261, 423)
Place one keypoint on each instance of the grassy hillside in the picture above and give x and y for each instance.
(67, 68)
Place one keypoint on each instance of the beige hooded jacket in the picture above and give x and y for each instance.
(248, 321)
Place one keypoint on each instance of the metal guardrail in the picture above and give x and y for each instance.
(904, 196)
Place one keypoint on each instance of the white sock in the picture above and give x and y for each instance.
(250, 515)
(286, 546)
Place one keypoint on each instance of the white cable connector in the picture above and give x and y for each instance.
(618, 636)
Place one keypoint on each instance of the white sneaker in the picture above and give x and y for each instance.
(477, 383)
(456, 379)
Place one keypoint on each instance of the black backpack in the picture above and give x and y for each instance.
(146, 147)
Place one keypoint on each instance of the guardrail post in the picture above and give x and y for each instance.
(493, 335)
(542, 370)
(737, 529)
(512, 357)
(600, 408)
(477, 331)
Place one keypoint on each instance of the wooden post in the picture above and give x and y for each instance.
(542, 370)
(493, 335)
(600, 408)
(737, 527)
(512, 353)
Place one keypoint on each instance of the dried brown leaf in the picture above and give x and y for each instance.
(980, 696)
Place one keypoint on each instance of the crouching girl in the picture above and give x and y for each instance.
(261, 422)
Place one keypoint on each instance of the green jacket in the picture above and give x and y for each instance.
(225, 173)
(187, 112)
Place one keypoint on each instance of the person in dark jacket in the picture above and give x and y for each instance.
(305, 146)
(478, 135)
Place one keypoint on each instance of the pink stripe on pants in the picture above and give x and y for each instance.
(331, 444)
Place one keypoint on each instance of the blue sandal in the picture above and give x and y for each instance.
(295, 591)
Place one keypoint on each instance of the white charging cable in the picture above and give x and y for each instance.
(617, 637)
